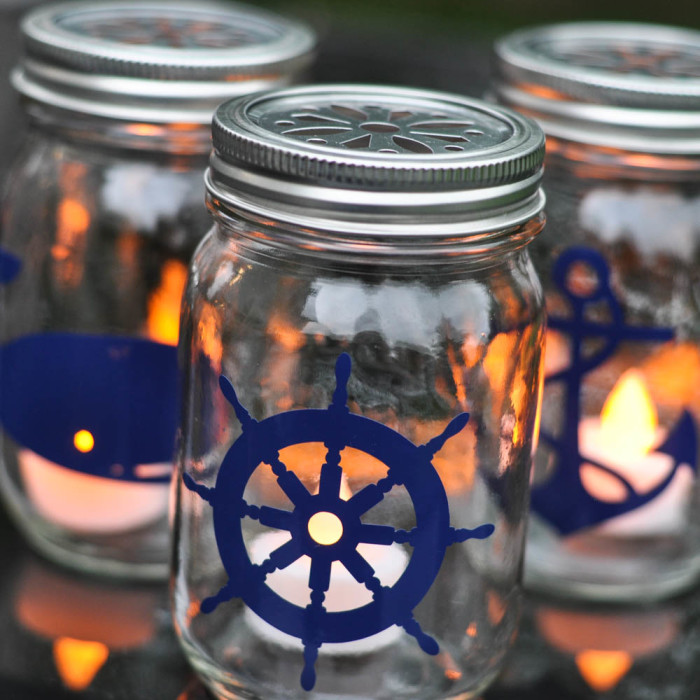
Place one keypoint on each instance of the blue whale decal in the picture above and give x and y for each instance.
(122, 390)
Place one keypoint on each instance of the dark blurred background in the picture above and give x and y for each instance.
(486, 16)
(441, 44)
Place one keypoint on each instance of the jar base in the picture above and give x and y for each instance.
(338, 677)
(608, 569)
(90, 559)
(138, 555)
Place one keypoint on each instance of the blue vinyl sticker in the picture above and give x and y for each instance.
(10, 266)
(562, 500)
(408, 465)
(120, 394)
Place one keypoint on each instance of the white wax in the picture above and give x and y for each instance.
(86, 503)
(344, 593)
(663, 515)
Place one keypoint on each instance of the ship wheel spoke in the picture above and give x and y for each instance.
(278, 519)
(319, 581)
(371, 494)
(464, 533)
(289, 482)
(320, 574)
(360, 569)
(270, 517)
(331, 473)
(281, 557)
(425, 641)
(378, 534)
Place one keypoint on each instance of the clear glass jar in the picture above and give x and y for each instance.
(103, 210)
(615, 498)
(362, 332)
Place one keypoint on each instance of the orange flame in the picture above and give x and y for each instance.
(78, 661)
(164, 304)
(72, 223)
(628, 419)
(603, 670)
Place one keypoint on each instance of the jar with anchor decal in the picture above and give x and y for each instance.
(103, 210)
(362, 330)
(615, 505)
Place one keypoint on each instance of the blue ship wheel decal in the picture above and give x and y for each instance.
(562, 500)
(408, 465)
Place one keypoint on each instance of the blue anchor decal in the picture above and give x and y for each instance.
(562, 500)
(408, 465)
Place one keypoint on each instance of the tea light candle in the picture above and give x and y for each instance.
(344, 593)
(623, 439)
(86, 503)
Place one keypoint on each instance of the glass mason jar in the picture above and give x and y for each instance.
(103, 210)
(615, 499)
(362, 332)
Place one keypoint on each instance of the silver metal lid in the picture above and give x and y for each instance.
(381, 159)
(624, 85)
(157, 61)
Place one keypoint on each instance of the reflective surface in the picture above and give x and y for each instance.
(66, 637)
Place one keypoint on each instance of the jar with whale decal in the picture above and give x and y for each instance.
(103, 209)
(616, 496)
(362, 334)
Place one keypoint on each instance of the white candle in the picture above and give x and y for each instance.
(344, 593)
(624, 439)
(86, 503)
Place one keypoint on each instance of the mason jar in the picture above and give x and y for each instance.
(361, 334)
(616, 500)
(103, 209)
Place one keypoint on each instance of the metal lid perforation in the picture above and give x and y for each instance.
(359, 150)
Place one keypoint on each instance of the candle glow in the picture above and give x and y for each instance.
(78, 661)
(325, 528)
(603, 670)
(623, 438)
(628, 421)
(83, 441)
(164, 304)
(605, 645)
